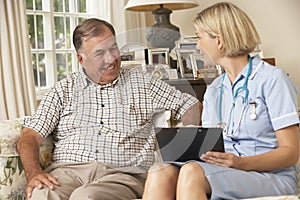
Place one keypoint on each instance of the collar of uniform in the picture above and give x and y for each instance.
(256, 64)
(240, 77)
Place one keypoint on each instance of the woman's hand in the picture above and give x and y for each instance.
(222, 159)
(285, 155)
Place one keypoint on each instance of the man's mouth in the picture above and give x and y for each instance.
(108, 68)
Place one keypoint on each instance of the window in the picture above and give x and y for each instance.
(51, 24)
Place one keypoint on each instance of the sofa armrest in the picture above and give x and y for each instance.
(12, 176)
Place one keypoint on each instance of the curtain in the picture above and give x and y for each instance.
(17, 90)
(131, 24)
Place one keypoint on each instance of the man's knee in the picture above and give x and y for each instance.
(46, 193)
(103, 192)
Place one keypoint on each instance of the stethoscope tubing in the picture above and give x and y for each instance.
(241, 88)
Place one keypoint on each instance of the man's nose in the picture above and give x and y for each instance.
(109, 57)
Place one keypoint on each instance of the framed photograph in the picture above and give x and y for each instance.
(132, 64)
(192, 38)
(128, 56)
(172, 73)
(160, 71)
(158, 56)
(184, 62)
(186, 44)
(197, 63)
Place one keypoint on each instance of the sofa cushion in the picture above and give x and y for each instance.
(9, 134)
(12, 176)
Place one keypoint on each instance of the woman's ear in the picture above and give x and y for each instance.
(219, 41)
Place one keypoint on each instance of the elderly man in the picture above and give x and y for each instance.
(100, 119)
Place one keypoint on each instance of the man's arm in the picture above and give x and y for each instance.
(28, 148)
(193, 115)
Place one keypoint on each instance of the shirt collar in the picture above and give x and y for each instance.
(85, 81)
(255, 66)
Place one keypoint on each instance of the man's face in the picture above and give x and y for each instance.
(100, 58)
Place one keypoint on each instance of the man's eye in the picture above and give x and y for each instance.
(99, 54)
(113, 48)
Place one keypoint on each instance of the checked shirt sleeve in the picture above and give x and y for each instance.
(169, 98)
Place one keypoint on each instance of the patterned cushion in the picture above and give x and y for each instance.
(12, 176)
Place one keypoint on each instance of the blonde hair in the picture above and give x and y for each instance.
(238, 32)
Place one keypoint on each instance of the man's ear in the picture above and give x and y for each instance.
(80, 58)
(219, 41)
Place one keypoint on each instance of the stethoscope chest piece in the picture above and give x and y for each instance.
(253, 116)
(252, 111)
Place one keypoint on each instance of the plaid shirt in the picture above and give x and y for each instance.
(111, 123)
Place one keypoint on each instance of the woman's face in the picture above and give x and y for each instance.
(209, 47)
(101, 58)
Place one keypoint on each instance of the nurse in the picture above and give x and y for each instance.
(255, 104)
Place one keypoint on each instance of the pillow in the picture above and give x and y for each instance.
(9, 134)
(12, 176)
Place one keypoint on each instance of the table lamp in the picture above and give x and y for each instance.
(162, 34)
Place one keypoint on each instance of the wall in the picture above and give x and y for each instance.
(277, 21)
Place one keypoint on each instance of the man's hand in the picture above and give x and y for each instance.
(40, 180)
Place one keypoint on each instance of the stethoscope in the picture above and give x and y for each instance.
(252, 116)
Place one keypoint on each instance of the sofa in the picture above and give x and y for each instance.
(12, 176)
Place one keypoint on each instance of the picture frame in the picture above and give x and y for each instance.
(160, 71)
(184, 62)
(158, 56)
(172, 73)
(197, 63)
(192, 38)
(128, 56)
(130, 64)
(186, 44)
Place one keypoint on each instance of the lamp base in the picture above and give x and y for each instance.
(162, 34)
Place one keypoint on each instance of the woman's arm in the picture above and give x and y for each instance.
(285, 155)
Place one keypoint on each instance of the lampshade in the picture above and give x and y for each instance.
(150, 5)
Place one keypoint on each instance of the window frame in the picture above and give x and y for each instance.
(49, 49)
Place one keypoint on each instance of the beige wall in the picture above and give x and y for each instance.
(277, 21)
